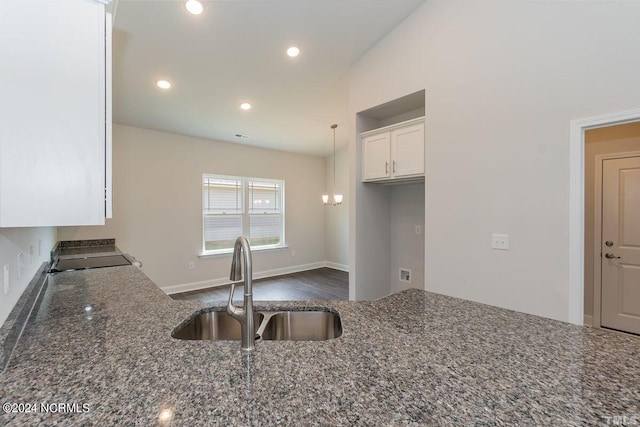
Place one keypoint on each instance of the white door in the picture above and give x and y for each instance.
(375, 152)
(407, 151)
(621, 244)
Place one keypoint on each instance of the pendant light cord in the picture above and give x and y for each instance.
(334, 161)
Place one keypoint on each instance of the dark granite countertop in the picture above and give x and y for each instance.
(100, 340)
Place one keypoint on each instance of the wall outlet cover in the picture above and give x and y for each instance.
(6, 279)
(500, 242)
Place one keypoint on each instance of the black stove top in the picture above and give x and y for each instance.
(90, 262)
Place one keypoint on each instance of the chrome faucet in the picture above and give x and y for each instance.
(243, 315)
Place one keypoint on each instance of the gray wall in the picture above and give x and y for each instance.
(29, 241)
(158, 205)
(407, 247)
(337, 217)
(503, 81)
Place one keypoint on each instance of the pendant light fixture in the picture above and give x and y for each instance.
(337, 198)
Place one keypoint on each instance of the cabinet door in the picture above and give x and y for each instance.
(375, 155)
(407, 151)
(52, 113)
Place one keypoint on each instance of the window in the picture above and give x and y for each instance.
(236, 206)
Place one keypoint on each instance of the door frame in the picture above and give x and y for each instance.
(597, 233)
(576, 204)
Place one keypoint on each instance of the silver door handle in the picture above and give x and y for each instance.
(386, 167)
(394, 166)
(611, 256)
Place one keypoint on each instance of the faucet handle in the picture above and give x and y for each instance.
(233, 311)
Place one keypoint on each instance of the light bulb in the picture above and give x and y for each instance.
(194, 7)
(163, 84)
(337, 199)
(325, 199)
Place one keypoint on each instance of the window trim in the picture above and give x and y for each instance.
(246, 215)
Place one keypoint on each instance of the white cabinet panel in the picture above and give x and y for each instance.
(52, 113)
(394, 153)
(407, 150)
(376, 156)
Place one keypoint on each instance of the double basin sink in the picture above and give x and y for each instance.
(310, 325)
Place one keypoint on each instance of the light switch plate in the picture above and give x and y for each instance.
(6, 279)
(500, 242)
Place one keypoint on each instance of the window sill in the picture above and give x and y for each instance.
(230, 251)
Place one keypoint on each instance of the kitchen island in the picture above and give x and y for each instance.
(99, 346)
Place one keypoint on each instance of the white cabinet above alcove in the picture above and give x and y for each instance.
(394, 153)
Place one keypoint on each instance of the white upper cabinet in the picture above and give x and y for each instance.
(54, 98)
(375, 155)
(394, 152)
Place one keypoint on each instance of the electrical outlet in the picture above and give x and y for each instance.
(6, 279)
(191, 265)
(293, 252)
(418, 230)
(500, 242)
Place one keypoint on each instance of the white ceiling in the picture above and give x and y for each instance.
(235, 52)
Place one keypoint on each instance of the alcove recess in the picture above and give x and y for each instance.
(389, 213)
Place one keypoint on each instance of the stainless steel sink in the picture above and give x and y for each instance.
(214, 325)
(312, 325)
(302, 326)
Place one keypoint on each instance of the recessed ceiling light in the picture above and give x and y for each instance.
(163, 84)
(194, 7)
(293, 51)
(245, 106)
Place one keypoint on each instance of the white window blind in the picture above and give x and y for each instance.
(240, 206)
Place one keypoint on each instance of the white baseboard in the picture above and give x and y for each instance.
(588, 320)
(194, 286)
(336, 266)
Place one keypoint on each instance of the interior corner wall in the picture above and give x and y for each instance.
(157, 212)
(608, 140)
(35, 244)
(337, 217)
(503, 82)
(407, 247)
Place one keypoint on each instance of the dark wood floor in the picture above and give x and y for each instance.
(319, 284)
